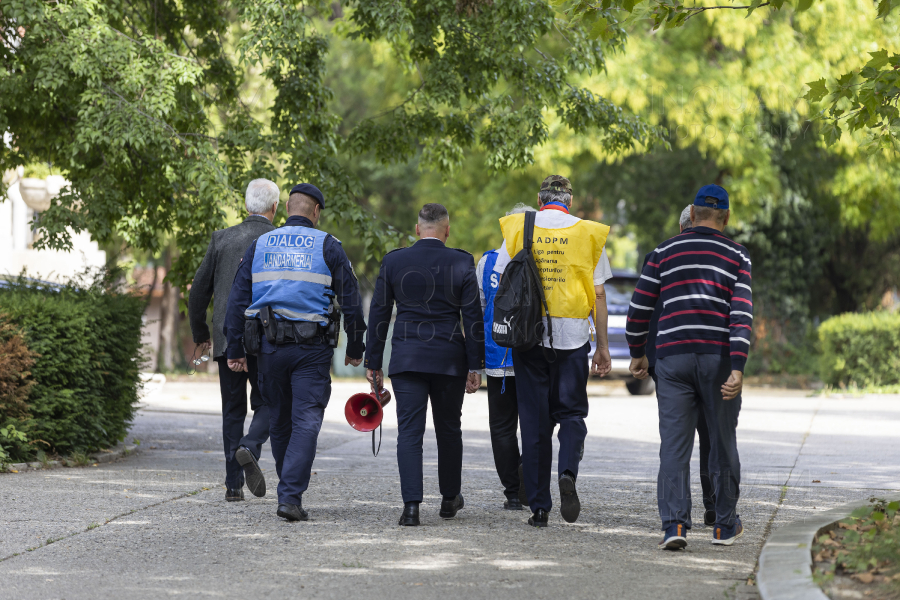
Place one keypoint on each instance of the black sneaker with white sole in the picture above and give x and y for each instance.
(569, 505)
(253, 475)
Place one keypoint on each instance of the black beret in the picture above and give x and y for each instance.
(311, 191)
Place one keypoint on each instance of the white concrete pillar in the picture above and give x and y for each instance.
(20, 229)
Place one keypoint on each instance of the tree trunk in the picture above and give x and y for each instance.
(168, 326)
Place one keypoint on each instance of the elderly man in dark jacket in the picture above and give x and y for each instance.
(214, 279)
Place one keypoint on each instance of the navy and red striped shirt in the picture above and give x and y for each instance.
(703, 280)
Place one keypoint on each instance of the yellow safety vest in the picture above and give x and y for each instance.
(565, 258)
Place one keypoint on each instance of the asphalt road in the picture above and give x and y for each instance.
(156, 524)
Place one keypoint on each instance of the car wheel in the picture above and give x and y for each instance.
(640, 387)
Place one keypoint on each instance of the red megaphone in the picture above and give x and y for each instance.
(364, 412)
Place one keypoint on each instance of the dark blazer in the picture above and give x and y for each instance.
(439, 325)
(216, 274)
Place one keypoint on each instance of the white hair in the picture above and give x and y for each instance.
(685, 219)
(261, 196)
(520, 208)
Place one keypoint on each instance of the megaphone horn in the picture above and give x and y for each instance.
(364, 411)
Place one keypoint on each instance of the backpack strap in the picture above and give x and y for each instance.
(529, 229)
(526, 244)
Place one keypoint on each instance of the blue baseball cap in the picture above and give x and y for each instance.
(316, 194)
(712, 191)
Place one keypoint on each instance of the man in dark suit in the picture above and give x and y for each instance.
(214, 279)
(437, 351)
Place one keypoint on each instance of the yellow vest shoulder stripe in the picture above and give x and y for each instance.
(565, 258)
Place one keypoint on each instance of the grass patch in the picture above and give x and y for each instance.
(78, 459)
(862, 552)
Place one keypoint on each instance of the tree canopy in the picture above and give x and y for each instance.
(142, 104)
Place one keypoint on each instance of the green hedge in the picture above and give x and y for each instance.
(86, 338)
(861, 350)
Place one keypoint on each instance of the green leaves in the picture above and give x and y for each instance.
(156, 131)
(817, 91)
(864, 100)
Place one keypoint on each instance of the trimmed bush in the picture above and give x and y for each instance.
(861, 349)
(87, 339)
(15, 386)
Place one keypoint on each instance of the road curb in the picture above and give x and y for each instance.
(103, 456)
(785, 563)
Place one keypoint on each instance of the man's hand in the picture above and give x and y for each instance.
(375, 378)
(204, 347)
(639, 367)
(601, 364)
(352, 361)
(733, 386)
(237, 364)
(473, 382)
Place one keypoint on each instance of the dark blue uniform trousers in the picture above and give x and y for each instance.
(412, 390)
(296, 383)
(233, 386)
(688, 385)
(552, 389)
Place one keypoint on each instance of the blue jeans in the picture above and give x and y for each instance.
(688, 385)
(233, 386)
(296, 383)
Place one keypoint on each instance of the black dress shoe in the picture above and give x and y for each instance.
(253, 476)
(410, 516)
(709, 517)
(540, 518)
(449, 508)
(569, 505)
(512, 504)
(292, 512)
(234, 495)
(523, 495)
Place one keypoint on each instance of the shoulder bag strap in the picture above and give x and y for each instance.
(529, 234)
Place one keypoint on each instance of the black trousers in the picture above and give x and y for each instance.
(503, 418)
(412, 390)
(709, 497)
(233, 386)
(552, 390)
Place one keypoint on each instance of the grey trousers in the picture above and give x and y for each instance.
(689, 384)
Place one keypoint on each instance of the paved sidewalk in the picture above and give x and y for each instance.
(156, 524)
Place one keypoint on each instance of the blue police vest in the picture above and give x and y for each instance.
(495, 357)
(290, 275)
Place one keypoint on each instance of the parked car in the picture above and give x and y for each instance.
(618, 295)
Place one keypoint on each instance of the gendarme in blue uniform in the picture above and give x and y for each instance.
(296, 270)
(495, 357)
(291, 276)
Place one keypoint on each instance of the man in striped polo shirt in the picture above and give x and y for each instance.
(703, 280)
